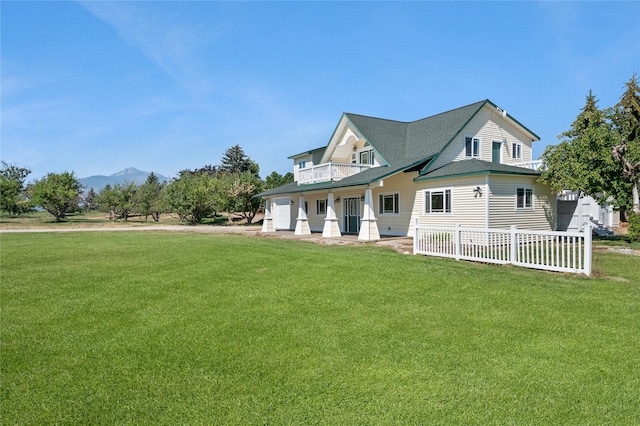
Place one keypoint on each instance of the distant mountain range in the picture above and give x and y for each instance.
(136, 176)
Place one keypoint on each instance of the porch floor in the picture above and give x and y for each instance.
(398, 243)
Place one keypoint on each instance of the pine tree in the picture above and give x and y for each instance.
(235, 161)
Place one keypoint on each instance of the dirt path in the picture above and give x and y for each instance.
(402, 245)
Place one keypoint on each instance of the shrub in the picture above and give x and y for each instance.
(634, 227)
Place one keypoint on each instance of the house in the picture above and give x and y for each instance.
(470, 166)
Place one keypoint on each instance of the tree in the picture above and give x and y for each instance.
(626, 119)
(582, 161)
(148, 197)
(235, 161)
(124, 199)
(89, 200)
(12, 189)
(57, 193)
(106, 201)
(193, 196)
(239, 191)
(275, 179)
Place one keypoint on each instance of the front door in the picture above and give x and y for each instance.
(352, 215)
(495, 152)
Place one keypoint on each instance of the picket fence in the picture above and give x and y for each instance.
(548, 250)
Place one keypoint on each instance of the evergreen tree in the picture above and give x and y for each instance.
(275, 179)
(626, 118)
(147, 198)
(235, 161)
(582, 161)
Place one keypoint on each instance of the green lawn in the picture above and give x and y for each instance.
(162, 328)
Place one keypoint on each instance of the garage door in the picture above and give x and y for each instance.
(282, 213)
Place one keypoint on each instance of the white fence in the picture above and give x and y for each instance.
(548, 250)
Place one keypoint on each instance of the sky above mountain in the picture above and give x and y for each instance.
(98, 86)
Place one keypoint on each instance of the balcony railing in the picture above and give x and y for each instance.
(328, 172)
(533, 165)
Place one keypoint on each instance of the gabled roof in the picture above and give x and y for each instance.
(406, 145)
(401, 143)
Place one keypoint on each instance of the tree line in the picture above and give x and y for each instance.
(194, 195)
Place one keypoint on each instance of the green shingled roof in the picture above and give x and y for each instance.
(405, 145)
(475, 167)
(402, 143)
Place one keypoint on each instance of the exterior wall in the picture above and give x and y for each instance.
(296, 161)
(489, 126)
(502, 204)
(396, 224)
(467, 207)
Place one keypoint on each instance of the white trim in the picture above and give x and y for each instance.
(533, 198)
(443, 190)
(396, 206)
(464, 146)
(486, 201)
(518, 145)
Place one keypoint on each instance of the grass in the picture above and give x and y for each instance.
(138, 328)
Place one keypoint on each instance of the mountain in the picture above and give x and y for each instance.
(130, 174)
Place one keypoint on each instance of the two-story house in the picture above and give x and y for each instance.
(470, 166)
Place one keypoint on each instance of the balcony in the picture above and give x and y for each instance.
(330, 172)
(533, 165)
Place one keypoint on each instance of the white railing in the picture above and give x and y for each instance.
(330, 172)
(548, 250)
(533, 165)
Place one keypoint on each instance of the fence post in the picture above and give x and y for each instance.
(415, 236)
(514, 245)
(588, 253)
(456, 241)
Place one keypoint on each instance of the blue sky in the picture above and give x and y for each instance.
(96, 87)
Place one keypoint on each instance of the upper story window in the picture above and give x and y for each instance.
(516, 150)
(366, 157)
(471, 146)
(302, 164)
(524, 198)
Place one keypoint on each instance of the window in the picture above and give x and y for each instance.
(306, 207)
(516, 150)
(438, 201)
(389, 203)
(471, 147)
(321, 207)
(524, 198)
(366, 157)
(302, 164)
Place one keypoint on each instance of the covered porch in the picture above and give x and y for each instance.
(350, 213)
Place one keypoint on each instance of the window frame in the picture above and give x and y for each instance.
(370, 156)
(471, 142)
(447, 201)
(321, 203)
(526, 190)
(395, 200)
(302, 164)
(516, 150)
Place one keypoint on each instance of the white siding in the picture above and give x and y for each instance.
(502, 204)
(467, 207)
(488, 126)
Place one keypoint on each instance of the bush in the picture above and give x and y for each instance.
(634, 227)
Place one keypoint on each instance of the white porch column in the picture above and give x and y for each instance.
(267, 222)
(302, 222)
(368, 225)
(331, 228)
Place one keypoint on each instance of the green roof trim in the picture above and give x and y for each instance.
(474, 167)
(311, 151)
